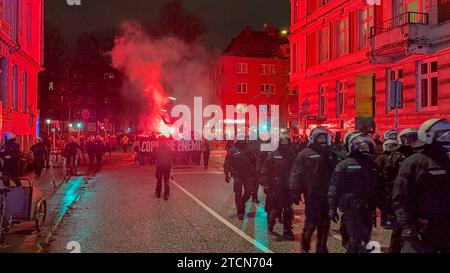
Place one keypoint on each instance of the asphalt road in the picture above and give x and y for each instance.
(118, 212)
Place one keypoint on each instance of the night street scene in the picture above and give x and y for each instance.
(239, 128)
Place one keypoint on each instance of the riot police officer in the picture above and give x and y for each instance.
(311, 175)
(275, 180)
(10, 153)
(39, 151)
(343, 155)
(388, 173)
(353, 189)
(421, 196)
(163, 169)
(407, 140)
(238, 165)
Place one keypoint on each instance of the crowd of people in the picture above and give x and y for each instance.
(72, 147)
(405, 176)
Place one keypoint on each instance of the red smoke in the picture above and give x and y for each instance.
(162, 67)
(134, 54)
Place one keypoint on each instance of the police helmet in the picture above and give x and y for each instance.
(434, 130)
(407, 136)
(361, 143)
(8, 136)
(390, 145)
(390, 134)
(318, 132)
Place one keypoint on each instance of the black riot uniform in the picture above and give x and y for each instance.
(163, 169)
(388, 174)
(275, 179)
(311, 175)
(396, 159)
(238, 165)
(421, 201)
(40, 152)
(353, 188)
(10, 152)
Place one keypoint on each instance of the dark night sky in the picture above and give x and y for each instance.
(224, 18)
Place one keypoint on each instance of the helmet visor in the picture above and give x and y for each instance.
(443, 136)
(362, 143)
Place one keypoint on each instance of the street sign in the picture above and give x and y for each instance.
(396, 94)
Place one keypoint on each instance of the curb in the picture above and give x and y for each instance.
(53, 231)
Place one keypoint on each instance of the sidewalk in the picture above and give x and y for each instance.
(23, 238)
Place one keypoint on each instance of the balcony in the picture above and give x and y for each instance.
(399, 37)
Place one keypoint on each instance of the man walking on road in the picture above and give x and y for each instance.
(163, 169)
(206, 153)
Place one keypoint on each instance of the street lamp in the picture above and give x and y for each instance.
(48, 121)
(172, 99)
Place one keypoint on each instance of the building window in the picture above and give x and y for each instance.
(342, 37)
(242, 68)
(322, 100)
(294, 58)
(295, 14)
(109, 76)
(267, 69)
(242, 88)
(324, 45)
(24, 92)
(51, 86)
(29, 22)
(366, 22)
(428, 84)
(4, 81)
(15, 98)
(267, 89)
(341, 91)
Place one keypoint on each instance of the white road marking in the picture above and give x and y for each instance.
(224, 221)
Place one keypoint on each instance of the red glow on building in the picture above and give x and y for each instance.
(21, 60)
(345, 54)
(254, 69)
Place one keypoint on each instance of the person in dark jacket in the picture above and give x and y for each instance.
(310, 176)
(70, 153)
(99, 150)
(163, 169)
(421, 197)
(238, 165)
(407, 140)
(353, 189)
(39, 151)
(10, 153)
(206, 153)
(388, 174)
(275, 180)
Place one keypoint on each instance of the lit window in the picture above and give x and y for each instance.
(366, 22)
(342, 37)
(242, 68)
(15, 101)
(24, 92)
(267, 69)
(322, 100)
(267, 89)
(324, 45)
(242, 88)
(341, 90)
(429, 84)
